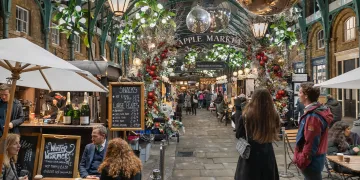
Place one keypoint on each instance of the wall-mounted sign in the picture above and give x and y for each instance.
(210, 39)
(299, 77)
(209, 65)
(318, 61)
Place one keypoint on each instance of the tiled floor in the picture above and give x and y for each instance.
(211, 147)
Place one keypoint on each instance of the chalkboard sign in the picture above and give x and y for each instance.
(126, 106)
(29, 153)
(59, 156)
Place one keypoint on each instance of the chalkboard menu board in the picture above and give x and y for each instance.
(59, 156)
(29, 154)
(126, 106)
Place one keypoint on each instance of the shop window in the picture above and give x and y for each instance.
(320, 39)
(77, 43)
(319, 76)
(22, 20)
(55, 35)
(350, 30)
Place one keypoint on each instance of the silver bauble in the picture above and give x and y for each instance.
(220, 19)
(198, 20)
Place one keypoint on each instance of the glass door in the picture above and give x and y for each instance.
(349, 94)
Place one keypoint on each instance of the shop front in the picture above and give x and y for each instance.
(349, 98)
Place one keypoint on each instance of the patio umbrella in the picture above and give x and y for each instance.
(348, 80)
(27, 64)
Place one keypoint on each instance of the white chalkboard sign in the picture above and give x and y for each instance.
(59, 156)
(126, 106)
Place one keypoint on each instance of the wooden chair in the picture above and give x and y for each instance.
(290, 137)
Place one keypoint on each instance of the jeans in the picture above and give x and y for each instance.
(200, 103)
(311, 175)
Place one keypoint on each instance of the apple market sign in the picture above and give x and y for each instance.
(210, 39)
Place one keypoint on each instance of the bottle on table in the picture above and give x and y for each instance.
(68, 111)
(76, 114)
(85, 111)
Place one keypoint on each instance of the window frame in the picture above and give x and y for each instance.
(93, 49)
(348, 30)
(18, 9)
(57, 35)
(320, 40)
(77, 43)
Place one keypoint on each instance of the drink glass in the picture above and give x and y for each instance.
(41, 121)
(36, 120)
(340, 156)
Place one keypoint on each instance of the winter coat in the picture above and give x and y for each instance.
(17, 117)
(312, 138)
(261, 164)
(187, 101)
(335, 108)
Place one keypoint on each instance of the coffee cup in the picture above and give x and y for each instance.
(340, 156)
(347, 159)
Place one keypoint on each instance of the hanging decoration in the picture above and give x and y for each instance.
(198, 20)
(272, 73)
(220, 18)
(72, 19)
(264, 8)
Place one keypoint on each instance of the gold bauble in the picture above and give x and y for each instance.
(266, 7)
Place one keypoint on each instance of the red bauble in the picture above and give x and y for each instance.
(269, 70)
(151, 95)
(262, 63)
(258, 57)
(157, 59)
(278, 96)
(276, 68)
(153, 68)
(282, 92)
(150, 103)
(152, 73)
(163, 55)
(279, 74)
(265, 58)
(166, 50)
(284, 104)
(262, 54)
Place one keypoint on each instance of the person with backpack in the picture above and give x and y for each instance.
(312, 137)
(201, 99)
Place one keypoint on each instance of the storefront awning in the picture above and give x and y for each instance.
(105, 69)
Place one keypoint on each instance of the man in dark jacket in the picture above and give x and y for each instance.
(17, 115)
(312, 137)
(298, 110)
(335, 108)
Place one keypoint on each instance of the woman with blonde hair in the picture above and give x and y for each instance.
(12, 147)
(120, 162)
(261, 122)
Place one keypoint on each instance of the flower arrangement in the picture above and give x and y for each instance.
(72, 19)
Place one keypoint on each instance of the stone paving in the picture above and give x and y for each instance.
(213, 157)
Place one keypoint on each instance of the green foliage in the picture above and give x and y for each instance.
(72, 20)
(150, 14)
(281, 33)
(233, 57)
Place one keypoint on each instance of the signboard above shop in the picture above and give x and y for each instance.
(299, 77)
(210, 65)
(210, 39)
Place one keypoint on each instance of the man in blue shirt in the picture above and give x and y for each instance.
(17, 115)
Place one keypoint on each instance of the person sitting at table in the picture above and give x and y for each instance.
(120, 162)
(342, 140)
(93, 154)
(12, 147)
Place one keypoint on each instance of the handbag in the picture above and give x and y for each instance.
(195, 100)
(243, 146)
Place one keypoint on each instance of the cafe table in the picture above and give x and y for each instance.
(354, 163)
